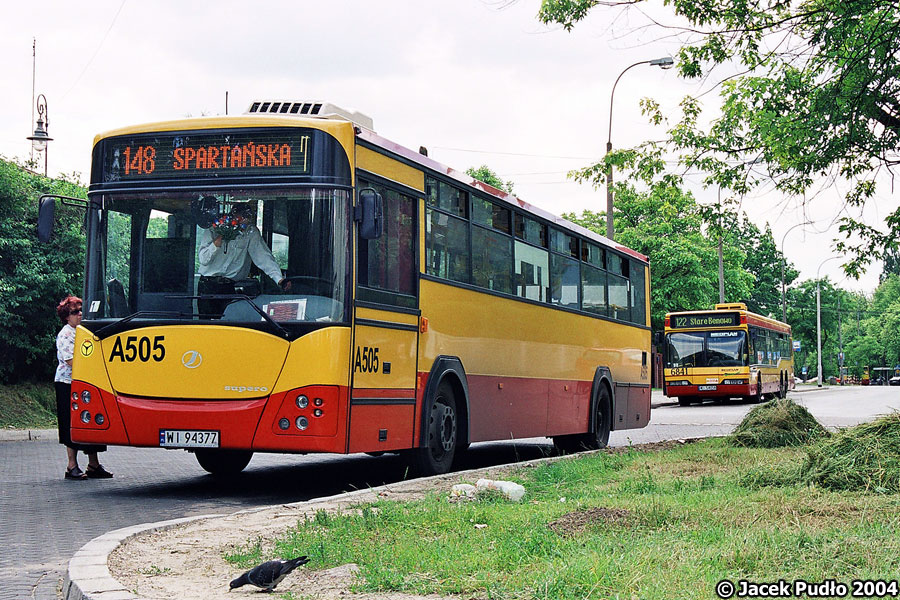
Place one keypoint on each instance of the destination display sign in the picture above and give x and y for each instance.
(201, 154)
(699, 320)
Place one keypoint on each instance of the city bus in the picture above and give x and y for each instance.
(413, 310)
(724, 353)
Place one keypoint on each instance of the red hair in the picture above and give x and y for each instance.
(68, 305)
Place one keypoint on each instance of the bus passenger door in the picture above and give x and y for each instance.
(383, 396)
(385, 331)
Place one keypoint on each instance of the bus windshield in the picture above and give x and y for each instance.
(706, 349)
(192, 255)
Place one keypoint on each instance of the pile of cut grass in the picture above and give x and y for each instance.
(776, 424)
(861, 458)
(28, 405)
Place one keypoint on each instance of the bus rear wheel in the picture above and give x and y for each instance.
(599, 438)
(223, 462)
(436, 457)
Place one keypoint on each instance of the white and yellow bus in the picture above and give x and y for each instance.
(724, 353)
(426, 310)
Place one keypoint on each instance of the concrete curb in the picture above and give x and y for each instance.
(27, 435)
(88, 576)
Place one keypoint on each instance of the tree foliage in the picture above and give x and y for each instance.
(487, 175)
(34, 277)
(666, 224)
(817, 100)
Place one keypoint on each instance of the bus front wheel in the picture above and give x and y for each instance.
(223, 462)
(436, 457)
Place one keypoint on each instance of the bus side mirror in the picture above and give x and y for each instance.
(47, 212)
(370, 214)
(46, 217)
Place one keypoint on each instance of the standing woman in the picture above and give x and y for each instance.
(69, 310)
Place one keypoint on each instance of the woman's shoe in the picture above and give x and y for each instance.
(76, 473)
(98, 472)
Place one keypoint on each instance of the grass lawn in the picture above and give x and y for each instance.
(630, 524)
(28, 406)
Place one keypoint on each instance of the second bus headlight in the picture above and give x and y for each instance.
(735, 382)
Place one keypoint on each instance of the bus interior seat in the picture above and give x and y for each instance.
(115, 297)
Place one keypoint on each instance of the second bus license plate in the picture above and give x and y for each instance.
(188, 438)
(706, 388)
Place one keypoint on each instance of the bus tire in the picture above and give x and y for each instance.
(223, 462)
(684, 401)
(436, 455)
(599, 438)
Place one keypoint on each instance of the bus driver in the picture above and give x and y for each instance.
(226, 246)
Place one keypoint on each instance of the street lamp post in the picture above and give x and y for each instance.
(783, 261)
(665, 62)
(819, 321)
(41, 137)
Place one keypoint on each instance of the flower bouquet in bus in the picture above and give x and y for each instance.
(229, 226)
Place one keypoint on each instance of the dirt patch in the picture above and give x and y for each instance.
(652, 446)
(576, 523)
(185, 562)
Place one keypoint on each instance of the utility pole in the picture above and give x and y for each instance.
(840, 342)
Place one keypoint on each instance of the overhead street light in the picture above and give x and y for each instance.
(665, 62)
(41, 137)
(783, 261)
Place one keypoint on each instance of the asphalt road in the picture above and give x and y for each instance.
(45, 519)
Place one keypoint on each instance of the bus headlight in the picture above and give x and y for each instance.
(317, 412)
(680, 382)
(735, 382)
(85, 416)
(302, 423)
(302, 401)
(283, 424)
(86, 397)
(99, 419)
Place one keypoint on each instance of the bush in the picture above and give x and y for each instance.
(34, 276)
(776, 424)
(28, 405)
(861, 458)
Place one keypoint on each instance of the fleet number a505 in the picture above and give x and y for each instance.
(366, 359)
(138, 348)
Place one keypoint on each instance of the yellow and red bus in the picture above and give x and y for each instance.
(427, 310)
(724, 353)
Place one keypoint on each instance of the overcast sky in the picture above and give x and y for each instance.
(475, 81)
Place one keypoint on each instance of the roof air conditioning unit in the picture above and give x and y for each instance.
(322, 110)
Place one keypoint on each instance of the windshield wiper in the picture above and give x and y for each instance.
(140, 313)
(261, 312)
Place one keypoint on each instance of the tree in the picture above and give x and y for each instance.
(34, 277)
(666, 224)
(764, 262)
(817, 100)
(488, 176)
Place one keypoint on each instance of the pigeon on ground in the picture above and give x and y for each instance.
(269, 574)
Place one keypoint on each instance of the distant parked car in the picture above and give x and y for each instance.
(894, 380)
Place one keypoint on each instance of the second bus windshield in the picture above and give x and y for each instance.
(706, 349)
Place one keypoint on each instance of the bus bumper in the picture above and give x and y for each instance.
(720, 391)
